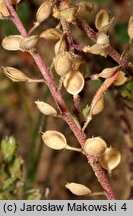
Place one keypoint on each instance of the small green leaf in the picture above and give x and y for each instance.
(9, 184)
(85, 111)
(15, 168)
(34, 194)
(8, 147)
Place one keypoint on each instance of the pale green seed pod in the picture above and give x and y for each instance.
(54, 139)
(110, 159)
(95, 146)
(12, 42)
(74, 82)
(78, 189)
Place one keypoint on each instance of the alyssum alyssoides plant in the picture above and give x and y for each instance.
(70, 69)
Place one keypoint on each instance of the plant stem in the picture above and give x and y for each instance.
(111, 51)
(63, 108)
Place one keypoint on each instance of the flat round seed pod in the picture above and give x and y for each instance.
(44, 11)
(15, 75)
(110, 159)
(78, 189)
(63, 63)
(95, 146)
(60, 46)
(74, 82)
(45, 108)
(99, 106)
(12, 42)
(121, 79)
(54, 139)
(102, 19)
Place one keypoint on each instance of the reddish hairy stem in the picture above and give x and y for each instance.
(111, 51)
(63, 109)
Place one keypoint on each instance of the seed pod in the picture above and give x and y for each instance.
(78, 189)
(121, 79)
(97, 49)
(60, 46)
(68, 14)
(102, 39)
(78, 61)
(45, 108)
(3, 10)
(12, 42)
(63, 63)
(102, 19)
(15, 75)
(99, 106)
(44, 11)
(52, 34)
(95, 146)
(108, 72)
(84, 10)
(74, 82)
(29, 42)
(54, 139)
(110, 159)
(130, 28)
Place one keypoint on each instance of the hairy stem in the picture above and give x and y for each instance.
(111, 51)
(63, 108)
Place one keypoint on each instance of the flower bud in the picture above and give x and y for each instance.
(63, 63)
(74, 82)
(45, 108)
(95, 146)
(44, 11)
(15, 75)
(121, 79)
(54, 139)
(3, 10)
(78, 189)
(97, 49)
(108, 72)
(130, 28)
(12, 42)
(52, 34)
(8, 147)
(102, 39)
(60, 46)
(29, 42)
(110, 159)
(99, 106)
